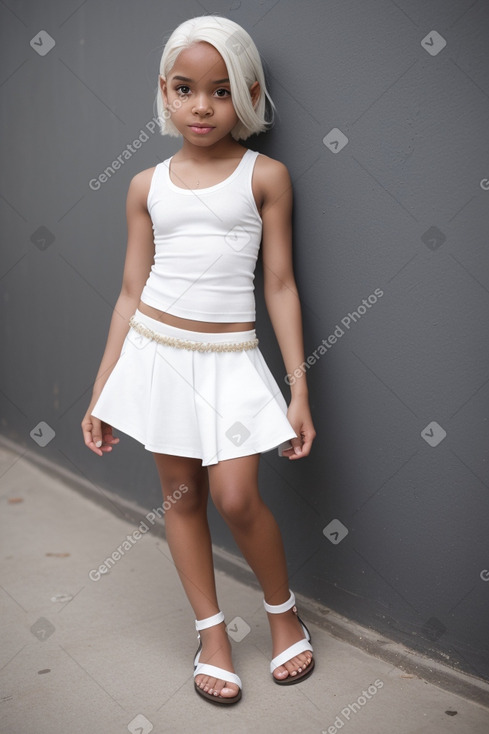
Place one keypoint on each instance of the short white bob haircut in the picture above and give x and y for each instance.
(243, 64)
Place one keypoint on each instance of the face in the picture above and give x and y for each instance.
(199, 81)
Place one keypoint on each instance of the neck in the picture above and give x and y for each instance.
(225, 148)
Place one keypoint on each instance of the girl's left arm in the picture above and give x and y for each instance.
(282, 298)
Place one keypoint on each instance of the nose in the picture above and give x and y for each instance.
(201, 104)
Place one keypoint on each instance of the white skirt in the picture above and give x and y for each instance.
(210, 405)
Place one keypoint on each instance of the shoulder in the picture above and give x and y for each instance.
(140, 184)
(267, 167)
(271, 175)
(143, 179)
(270, 179)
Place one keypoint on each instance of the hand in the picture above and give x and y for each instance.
(97, 435)
(299, 417)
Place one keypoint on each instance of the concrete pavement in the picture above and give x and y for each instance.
(85, 651)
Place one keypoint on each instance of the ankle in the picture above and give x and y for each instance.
(214, 631)
(284, 621)
(279, 607)
(216, 636)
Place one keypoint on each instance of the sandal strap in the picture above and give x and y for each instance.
(203, 624)
(290, 652)
(279, 608)
(219, 673)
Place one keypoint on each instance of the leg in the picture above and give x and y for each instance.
(234, 491)
(188, 536)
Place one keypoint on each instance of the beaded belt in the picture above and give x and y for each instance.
(193, 345)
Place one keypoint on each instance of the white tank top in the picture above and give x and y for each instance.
(206, 246)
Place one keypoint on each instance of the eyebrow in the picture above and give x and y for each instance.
(186, 79)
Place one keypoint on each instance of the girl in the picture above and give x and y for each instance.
(181, 372)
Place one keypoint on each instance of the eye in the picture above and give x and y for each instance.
(226, 92)
(182, 87)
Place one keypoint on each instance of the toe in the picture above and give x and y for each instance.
(295, 665)
(229, 690)
(281, 672)
(217, 687)
(292, 666)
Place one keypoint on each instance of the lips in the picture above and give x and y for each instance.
(201, 129)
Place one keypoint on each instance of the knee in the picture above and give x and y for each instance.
(235, 506)
(184, 496)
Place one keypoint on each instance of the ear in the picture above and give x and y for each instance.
(255, 93)
(163, 89)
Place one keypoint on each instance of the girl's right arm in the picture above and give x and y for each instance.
(139, 259)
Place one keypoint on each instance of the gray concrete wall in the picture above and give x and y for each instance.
(383, 117)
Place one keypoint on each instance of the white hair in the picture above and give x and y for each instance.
(243, 64)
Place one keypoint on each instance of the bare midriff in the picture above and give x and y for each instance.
(193, 325)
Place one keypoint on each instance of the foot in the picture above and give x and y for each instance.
(286, 630)
(216, 650)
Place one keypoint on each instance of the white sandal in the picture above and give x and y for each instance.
(212, 670)
(293, 650)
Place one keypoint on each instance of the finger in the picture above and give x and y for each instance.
(90, 430)
(108, 438)
(89, 442)
(305, 450)
(296, 451)
(97, 432)
(288, 453)
(306, 446)
(296, 444)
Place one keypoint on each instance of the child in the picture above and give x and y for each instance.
(181, 372)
